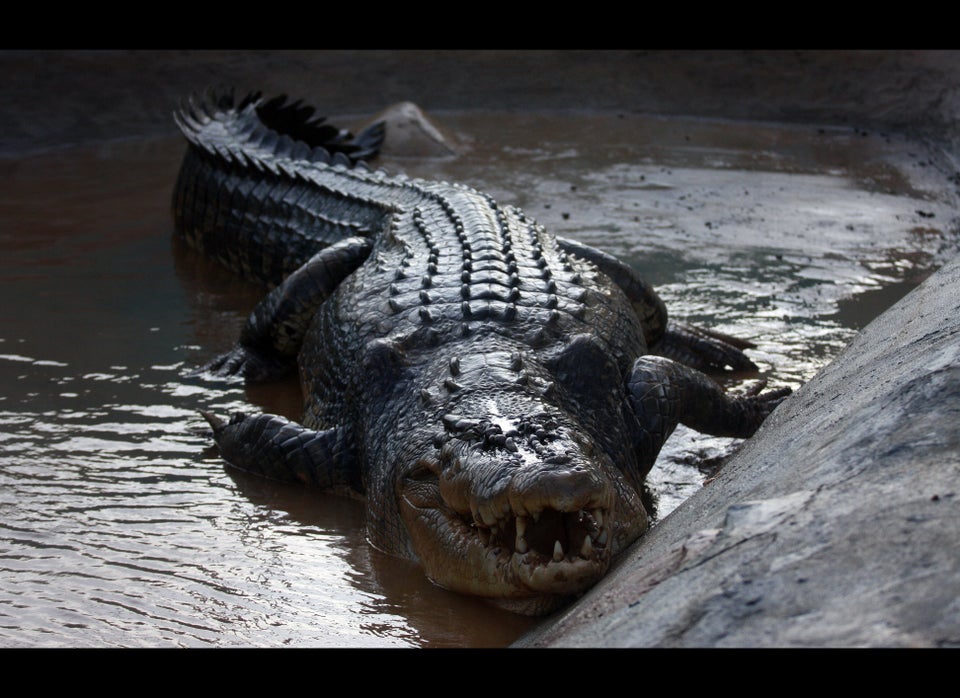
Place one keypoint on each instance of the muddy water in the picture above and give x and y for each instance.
(119, 526)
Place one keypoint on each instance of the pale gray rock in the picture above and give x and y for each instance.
(410, 133)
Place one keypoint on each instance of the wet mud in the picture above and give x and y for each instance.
(120, 525)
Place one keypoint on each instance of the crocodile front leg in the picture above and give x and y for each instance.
(278, 449)
(664, 393)
(273, 335)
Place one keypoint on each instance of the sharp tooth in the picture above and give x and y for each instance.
(586, 550)
(557, 552)
(521, 544)
(602, 538)
(487, 517)
(598, 517)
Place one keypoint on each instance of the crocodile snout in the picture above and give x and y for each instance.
(543, 508)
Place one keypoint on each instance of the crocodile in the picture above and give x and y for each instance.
(495, 394)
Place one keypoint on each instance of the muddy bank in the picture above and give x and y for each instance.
(836, 525)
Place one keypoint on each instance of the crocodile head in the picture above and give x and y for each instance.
(509, 496)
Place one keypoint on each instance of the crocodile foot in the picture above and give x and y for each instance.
(243, 362)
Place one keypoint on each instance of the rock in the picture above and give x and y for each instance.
(411, 134)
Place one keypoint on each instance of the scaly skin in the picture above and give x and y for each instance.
(487, 388)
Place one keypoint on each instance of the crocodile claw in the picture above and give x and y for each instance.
(245, 363)
(214, 421)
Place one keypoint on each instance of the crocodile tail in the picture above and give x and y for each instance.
(297, 120)
(368, 142)
(255, 191)
(290, 129)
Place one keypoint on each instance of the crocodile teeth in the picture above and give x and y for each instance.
(557, 552)
(586, 550)
(521, 543)
(602, 538)
(598, 517)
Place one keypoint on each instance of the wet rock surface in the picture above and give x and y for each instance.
(836, 525)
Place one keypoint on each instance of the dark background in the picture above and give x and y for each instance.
(58, 97)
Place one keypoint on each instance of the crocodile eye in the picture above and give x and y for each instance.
(381, 355)
(422, 473)
(583, 364)
(383, 364)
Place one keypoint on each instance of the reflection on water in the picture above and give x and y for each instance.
(119, 524)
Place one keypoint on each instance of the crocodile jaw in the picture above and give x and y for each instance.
(529, 561)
